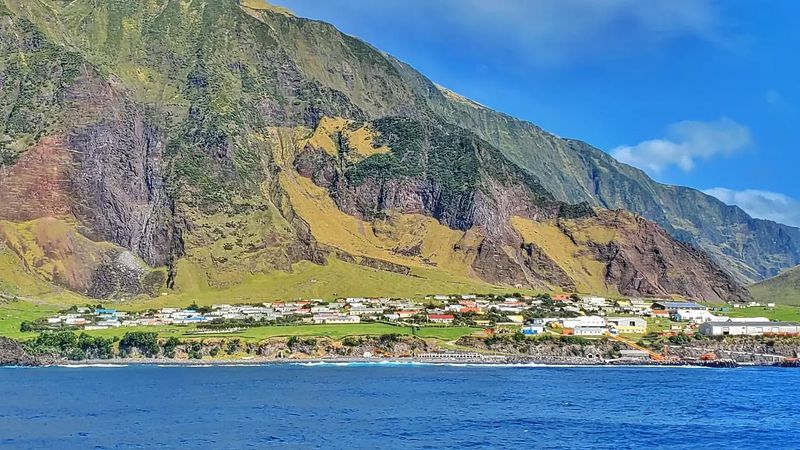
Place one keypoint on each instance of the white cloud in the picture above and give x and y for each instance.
(684, 144)
(761, 204)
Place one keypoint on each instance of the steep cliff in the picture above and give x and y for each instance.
(202, 145)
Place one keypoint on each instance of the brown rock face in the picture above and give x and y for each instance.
(641, 259)
(37, 185)
(121, 193)
(644, 259)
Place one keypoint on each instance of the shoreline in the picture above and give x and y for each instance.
(510, 362)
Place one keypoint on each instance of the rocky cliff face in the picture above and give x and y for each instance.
(205, 143)
(12, 354)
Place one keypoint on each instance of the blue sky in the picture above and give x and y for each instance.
(695, 92)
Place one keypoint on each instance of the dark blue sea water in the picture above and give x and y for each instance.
(398, 406)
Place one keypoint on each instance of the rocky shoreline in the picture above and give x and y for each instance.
(387, 350)
(514, 361)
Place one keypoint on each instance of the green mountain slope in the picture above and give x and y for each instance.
(221, 144)
(751, 249)
(783, 289)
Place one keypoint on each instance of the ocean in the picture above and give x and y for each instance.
(398, 406)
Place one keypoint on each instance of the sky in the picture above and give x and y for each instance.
(698, 93)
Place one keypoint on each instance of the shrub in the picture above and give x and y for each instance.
(145, 342)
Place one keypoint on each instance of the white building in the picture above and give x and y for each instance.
(365, 311)
(748, 328)
(693, 315)
(333, 318)
(584, 321)
(594, 301)
(589, 331)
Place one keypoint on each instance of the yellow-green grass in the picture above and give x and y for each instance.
(658, 324)
(12, 314)
(782, 313)
(446, 333)
(308, 280)
(783, 289)
(343, 330)
(10, 328)
(575, 260)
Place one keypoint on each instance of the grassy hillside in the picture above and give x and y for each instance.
(783, 289)
(226, 150)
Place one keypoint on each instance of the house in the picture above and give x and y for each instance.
(365, 311)
(594, 301)
(516, 319)
(628, 325)
(76, 321)
(531, 330)
(693, 315)
(660, 313)
(440, 318)
(748, 328)
(467, 310)
(343, 319)
(407, 313)
(334, 318)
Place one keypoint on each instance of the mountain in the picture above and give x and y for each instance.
(782, 289)
(232, 148)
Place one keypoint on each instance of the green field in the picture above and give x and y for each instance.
(783, 289)
(340, 331)
(782, 313)
(12, 314)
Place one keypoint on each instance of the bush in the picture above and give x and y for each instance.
(68, 345)
(350, 341)
(170, 345)
(76, 354)
(145, 342)
(232, 347)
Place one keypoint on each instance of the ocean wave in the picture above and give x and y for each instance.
(86, 366)
(358, 363)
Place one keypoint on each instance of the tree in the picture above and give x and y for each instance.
(145, 342)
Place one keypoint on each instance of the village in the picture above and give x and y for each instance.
(588, 316)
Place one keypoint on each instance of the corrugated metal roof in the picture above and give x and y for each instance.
(680, 305)
(753, 324)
